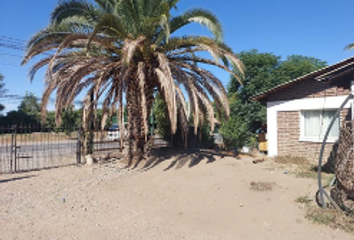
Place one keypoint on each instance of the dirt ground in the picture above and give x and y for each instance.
(208, 198)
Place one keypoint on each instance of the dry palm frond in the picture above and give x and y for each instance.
(129, 49)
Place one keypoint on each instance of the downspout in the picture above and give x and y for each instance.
(321, 190)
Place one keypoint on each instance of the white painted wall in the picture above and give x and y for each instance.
(295, 105)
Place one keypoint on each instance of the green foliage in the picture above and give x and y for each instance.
(30, 106)
(18, 118)
(71, 119)
(160, 113)
(296, 66)
(258, 77)
(50, 119)
(203, 138)
(163, 123)
(28, 113)
(235, 133)
(206, 139)
(263, 71)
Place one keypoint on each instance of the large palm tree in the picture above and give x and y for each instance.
(123, 52)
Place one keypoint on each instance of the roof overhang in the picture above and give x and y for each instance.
(333, 74)
(337, 74)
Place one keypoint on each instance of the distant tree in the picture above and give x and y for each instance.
(296, 66)
(263, 71)
(50, 119)
(30, 106)
(27, 113)
(71, 119)
(260, 68)
(259, 76)
(17, 118)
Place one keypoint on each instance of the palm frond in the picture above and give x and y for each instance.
(349, 46)
(201, 16)
(70, 8)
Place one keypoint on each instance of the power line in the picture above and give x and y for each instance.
(16, 44)
(23, 44)
(13, 39)
(10, 64)
(13, 43)
(10, 55)
(12, 46)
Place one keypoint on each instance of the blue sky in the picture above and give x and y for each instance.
(316, 28)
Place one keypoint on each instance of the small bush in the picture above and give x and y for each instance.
(236, 134)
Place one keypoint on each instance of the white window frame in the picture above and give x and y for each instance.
(304, 138)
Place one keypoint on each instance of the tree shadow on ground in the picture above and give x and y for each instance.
(16, 178)
(179, 158)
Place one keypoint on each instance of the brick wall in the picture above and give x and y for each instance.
(289, 134)
(309, 89)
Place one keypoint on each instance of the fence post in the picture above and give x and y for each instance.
(78, 146)
(13, 149)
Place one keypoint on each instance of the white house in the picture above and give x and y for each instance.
(299, 111)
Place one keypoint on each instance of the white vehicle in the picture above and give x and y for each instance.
(114, 133)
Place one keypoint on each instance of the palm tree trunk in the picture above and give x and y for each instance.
(136, 137)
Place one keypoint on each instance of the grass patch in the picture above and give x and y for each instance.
(289, 159)
(302, 168)
(305, 173)
(330, 217)
(335, 219)
(303, 199)
(262, 186)
(310, 171)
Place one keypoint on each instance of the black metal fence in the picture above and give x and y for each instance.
(25, 148)
(102, 141)
(110, 141)
(29, 147)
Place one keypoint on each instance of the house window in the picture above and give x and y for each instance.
(314, 124)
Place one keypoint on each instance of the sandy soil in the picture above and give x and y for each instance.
(213, 199)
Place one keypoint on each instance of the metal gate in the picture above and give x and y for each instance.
(110, 142)
(105, 141)
(26, 148)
